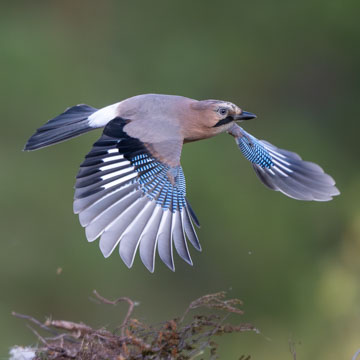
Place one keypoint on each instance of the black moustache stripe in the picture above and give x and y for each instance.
(225, 121)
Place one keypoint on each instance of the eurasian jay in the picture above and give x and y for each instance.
(130, 190)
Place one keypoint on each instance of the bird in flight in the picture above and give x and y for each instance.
(130, 190)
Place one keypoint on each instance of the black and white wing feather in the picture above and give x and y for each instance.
(131, 200)
(285, 171)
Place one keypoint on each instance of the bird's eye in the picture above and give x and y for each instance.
(223, 111)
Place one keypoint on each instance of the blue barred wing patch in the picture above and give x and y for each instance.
(254, 151)
(153, 177)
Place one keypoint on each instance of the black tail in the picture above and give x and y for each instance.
(71, 123)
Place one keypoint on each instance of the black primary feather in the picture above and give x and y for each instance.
(72, 122)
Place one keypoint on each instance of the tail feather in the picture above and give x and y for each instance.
(72, 122)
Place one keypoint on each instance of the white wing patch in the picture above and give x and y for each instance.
(113, 151)
(117, 173)
(114, 166)
(120, 181)
(101, 117)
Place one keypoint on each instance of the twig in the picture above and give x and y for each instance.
(214, 301)
(61, 337)
(115, 302)
(69, 326)
(35, 321)
(49, 346)
(38, 336)
(43, 326)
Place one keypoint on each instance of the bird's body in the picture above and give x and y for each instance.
(130, 190)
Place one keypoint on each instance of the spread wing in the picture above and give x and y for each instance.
(285, 171)
(133, 200)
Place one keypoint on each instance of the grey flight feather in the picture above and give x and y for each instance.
(164, 240)
(147, 244)
(131, 237)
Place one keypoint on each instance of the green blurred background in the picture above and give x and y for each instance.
(294, 264)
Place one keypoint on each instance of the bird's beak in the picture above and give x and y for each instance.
(245, 115)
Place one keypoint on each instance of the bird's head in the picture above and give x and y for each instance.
(216, 116)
